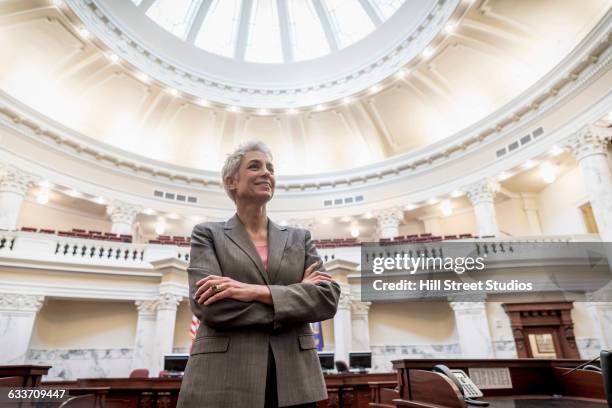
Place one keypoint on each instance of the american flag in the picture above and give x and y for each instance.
(193, 329)
(317, 328)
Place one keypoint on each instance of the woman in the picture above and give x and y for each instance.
(255, 287)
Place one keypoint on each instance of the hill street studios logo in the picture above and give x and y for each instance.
(476, 269)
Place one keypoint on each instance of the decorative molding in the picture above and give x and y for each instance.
(482, 191)
(584, 65)
(97, 17)
(360, 309)
(389, 218)
(14, 180)
(345, 297)
(168, 301)
(146, 307)
(20, 302)
(588, 141)
(121, 212)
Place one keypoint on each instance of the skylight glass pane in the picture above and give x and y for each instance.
(387, 7)
(349, 20)
(174, 15)
(308, 36)
(264, 40)
(220, 28)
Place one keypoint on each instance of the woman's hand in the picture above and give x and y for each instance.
(311, 275)
(213, 288)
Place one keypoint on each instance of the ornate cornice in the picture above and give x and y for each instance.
(20, 302)
(588, 141)
(97, 17)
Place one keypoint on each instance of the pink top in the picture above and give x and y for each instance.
(262, 250)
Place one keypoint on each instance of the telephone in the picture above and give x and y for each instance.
(468, 389)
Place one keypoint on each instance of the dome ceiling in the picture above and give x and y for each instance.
(57, 66)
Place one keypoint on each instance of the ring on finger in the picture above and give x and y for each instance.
(216, 288)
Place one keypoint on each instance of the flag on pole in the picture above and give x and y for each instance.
(318, 335)
(193, 329)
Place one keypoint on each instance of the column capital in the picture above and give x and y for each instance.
(359, 308)
(122, 212)
(15, 180)
(168, 301)
(482, 191)
(389, 217)
(146, 307)
(588, 141)
(20, 302)
(345, 297)
(306, 224)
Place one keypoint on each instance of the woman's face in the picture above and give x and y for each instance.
(255, 178)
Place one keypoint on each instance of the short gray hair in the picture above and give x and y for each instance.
(234, 159)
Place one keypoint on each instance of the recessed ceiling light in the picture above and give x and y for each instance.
(346, 219)
(100, 200)
(548, 171)
(232, 108)
(504, 175)
(173, 92)
(433, 200)
(368, 215)
(263, 111)
(401, 73)
(409, 207)
(149, 211)
(203, 102)
(44, 184)
(375, 89)
(556, 151)
(428, 52)
(447, 208)
(112, 58)
(354, 232)
(529, 164)
(291, 111)
(57, 3)
(43, 197)
(83, 32)
(143, 77)
(160, 227)
(74, 193)
(173, 216)
(457, 193)
(346, 100)
(450, 28)
(320, 107)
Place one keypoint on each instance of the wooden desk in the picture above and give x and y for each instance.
(30, 374)
(351, 390)
(534, 382)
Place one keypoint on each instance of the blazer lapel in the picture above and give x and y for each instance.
(234, 229)
(277, 239)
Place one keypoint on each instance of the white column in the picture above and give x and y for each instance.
(167, 304)
(530, 206)
(145, 334)
(473, 329)
(122, 215)
(360, 325)
(432, 225)
(389, 221)
(481, 195)
(601, 313)
(14, 185)
(590, 148)
(342, 326)
(17, 315)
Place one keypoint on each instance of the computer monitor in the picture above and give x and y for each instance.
(360, 360)
(175, 362)
(326, 359)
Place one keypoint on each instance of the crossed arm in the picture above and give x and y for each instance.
(236, 304)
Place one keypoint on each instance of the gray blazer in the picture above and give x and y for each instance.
(229, 357)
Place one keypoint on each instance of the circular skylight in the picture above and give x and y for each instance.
(269, 31)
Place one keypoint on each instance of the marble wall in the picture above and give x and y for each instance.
(82, 363)
(383, 355)
(588, 347)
